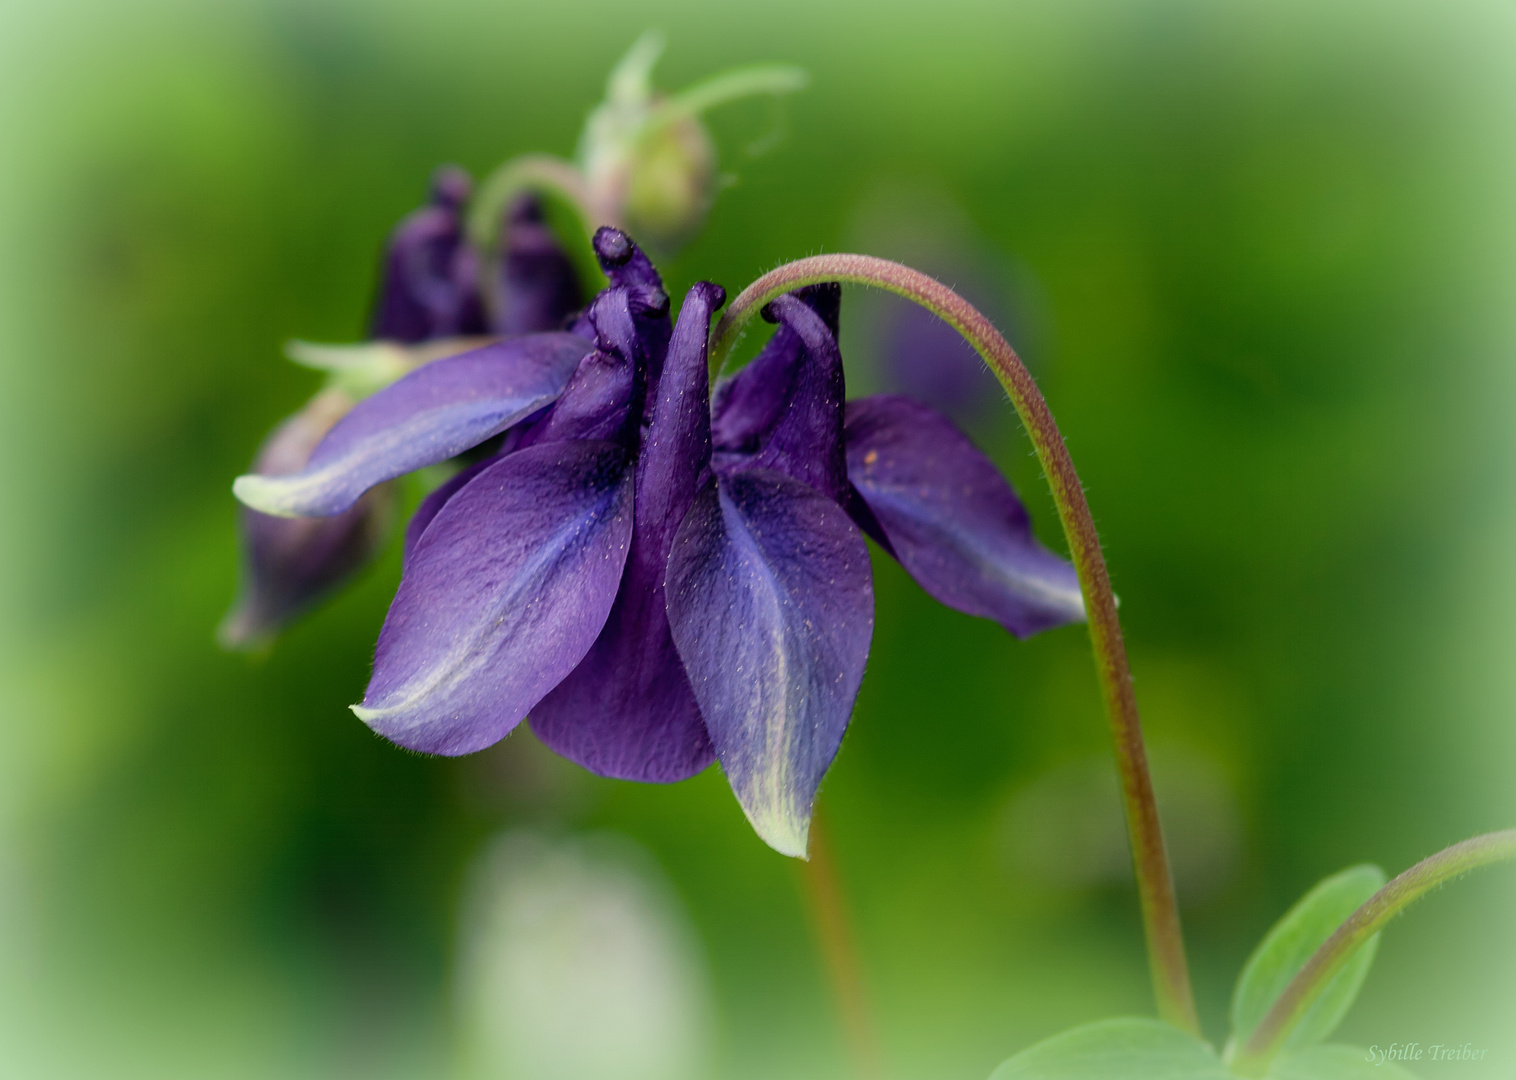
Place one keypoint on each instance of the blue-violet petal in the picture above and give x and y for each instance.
(784, 410)
(627, 710)
(771, 604)
(290, 563)
(940, 507)
(507, 589)
(435, 412)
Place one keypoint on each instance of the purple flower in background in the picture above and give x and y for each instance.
(536, 286)
(429, 287)
(926, 359)
(429, 291)
(659, 577)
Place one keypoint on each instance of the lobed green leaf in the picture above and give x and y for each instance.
(1292, 941)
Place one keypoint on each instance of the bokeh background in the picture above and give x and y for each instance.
(1262, 259)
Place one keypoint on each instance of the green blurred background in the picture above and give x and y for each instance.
(1263, 260)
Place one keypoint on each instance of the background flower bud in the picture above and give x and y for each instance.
(670, 182)
(429, 284)
(536, 287)
(647, 160)
(290, 563)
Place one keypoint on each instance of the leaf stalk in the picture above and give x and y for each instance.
(1312, 979)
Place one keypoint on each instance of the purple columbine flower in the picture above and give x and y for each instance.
(656, 576)
(429, 290)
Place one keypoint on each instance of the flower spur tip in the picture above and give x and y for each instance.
(613, 247)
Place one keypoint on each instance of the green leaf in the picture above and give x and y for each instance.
(1336, 1062)
(1123, 1049)
(1287, 947)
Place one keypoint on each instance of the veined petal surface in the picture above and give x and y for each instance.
(771, 604)
(435, 500)
(937, 504)
(503, 595)
(428, 416)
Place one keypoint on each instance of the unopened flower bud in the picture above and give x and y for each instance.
(670, 182)
(648, 161)
(537, 288)
(429, 284)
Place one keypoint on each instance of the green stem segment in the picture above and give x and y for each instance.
(734, 85)
(541, 173)
(1171, 978)
(830, 918)
(1309, 982)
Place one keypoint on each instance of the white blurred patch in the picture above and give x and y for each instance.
(1065, 829)
(578, 961)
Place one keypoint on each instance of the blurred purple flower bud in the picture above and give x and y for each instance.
(290, 563)
(537, 288)
(428, 287)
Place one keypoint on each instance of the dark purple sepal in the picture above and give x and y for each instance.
(784, 410)
(428, 287)
(537, 288)
(941, 508)
(505, 592)
(627, 710)
(771, 604)
(437, 411)
(288, 564)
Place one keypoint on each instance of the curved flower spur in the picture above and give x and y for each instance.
(657, 575)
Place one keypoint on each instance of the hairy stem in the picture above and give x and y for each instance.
(1309, 982)
(829, 915)
(1171, 978)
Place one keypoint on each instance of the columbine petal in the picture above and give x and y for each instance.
(771, 605)
(784, 410)
(287, 565)
(627, 710)
(435, 500)
(428, 288)
(505, 592)
(938, 505)
(428, 416)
